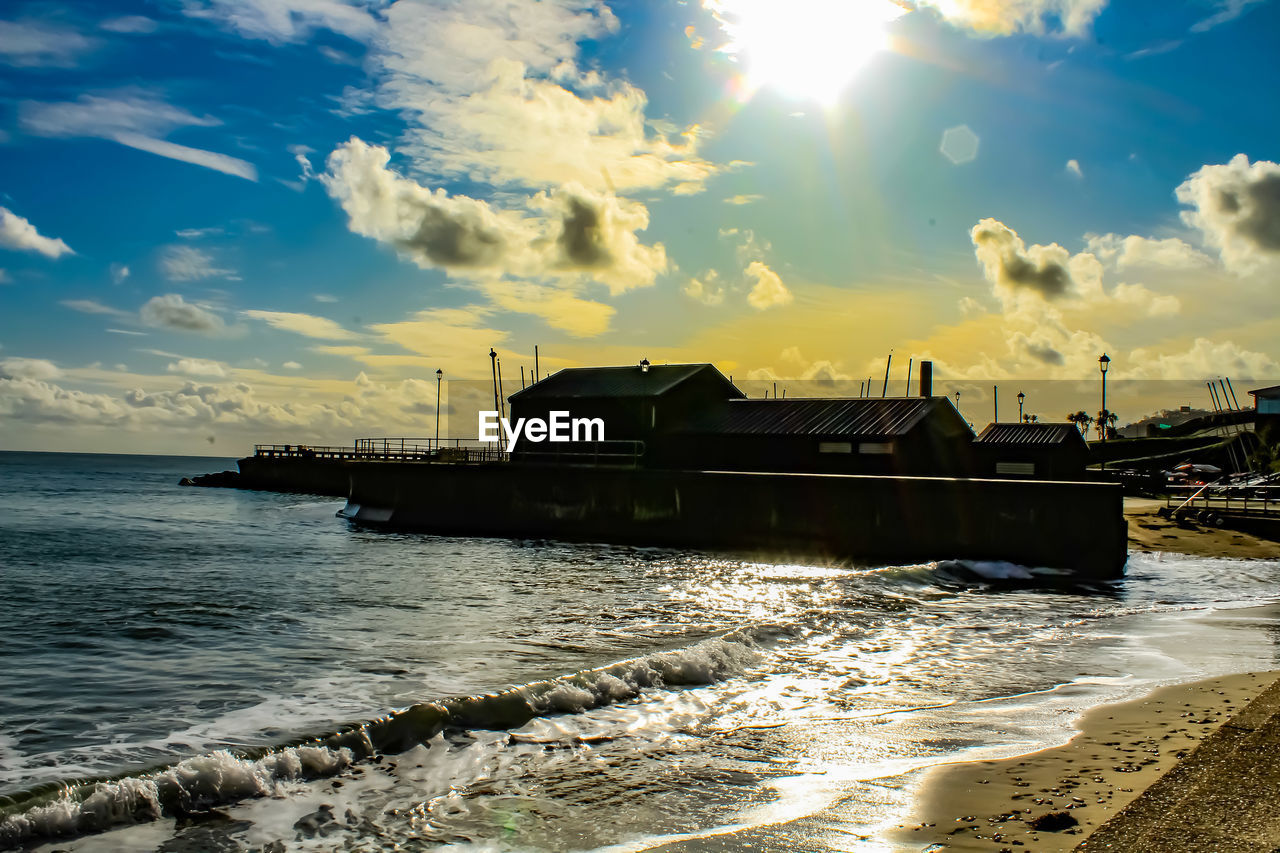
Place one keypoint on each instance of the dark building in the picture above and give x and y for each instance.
(860, 435)
(638, 404)
(1033, 450)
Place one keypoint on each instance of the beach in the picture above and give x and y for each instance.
(1054, 799)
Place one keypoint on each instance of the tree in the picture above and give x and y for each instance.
(1082, 421)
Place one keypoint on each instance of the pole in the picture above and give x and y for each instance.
(1233, 393)
(910, 361)
(493, 366)
(535, 363)
(884, 390)
(502, 397)
(1224, 391)
(1213, 395)
(995, 404)
(1104, 407)
(439, 376)
(522, 377)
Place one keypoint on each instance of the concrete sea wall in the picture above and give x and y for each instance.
(1069, 525)
(295, 474)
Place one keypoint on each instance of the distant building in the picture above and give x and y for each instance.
(860, 435)
(1040, 450)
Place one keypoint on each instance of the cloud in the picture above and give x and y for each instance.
(575, 232)
(283, 21)
(291, 365)
(561, 309)
(1136, 251)
(747, 198)
(184, 263)
(133, 117)
(1073, 169)
(1011, 266)
(1007, 17)
(119, 272)
(197, 233)
(1228, 10)
(1204, 358)
(198, 367)
(307, 325)
(705, 288)
(92, 306)
(28, 368)
(324, 297)
(171, 311)
(769, 291)
(131, 24)
(1237, 207)
(35, 44)
(18, 233)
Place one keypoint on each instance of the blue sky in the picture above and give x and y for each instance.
(273, 220)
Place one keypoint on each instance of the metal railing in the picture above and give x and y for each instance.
(453, 451)
(1233, 500)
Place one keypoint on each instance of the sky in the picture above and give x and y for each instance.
(234, 221)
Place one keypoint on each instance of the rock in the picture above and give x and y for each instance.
(222, 480)
(1053, 822)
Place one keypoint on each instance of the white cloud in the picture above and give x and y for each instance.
(308, 325)
(92, 306)
(291, 365)
(119, 272)
(34, 44)
(769, 291)
(1013, 268)
(705, 288)
(197, 233)
(1204, 358)
(171, 311)
(1007, 17)
(1136, 251)
(28, 368)
(130, 24)
(574, 233)
(133, 117)
(184, 263)
(1237, 207)
(201, 367)
(745, 198)
(1228, 10)
(18, 233)
(324, 297)
(1074, 170)
(282, 21)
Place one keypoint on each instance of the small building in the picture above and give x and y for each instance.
(1044, 451)
(1266, 401)
(860, 435)
(636, 403)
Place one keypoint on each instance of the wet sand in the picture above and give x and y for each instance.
(1149, 532)
(1051, 800)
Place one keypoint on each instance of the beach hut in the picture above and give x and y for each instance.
(1045, 451)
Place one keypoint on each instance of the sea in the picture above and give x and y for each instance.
(190, 669)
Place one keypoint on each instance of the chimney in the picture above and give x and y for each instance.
(926, 379)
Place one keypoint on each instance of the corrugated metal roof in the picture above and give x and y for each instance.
(1024, 434)
(855, 417)
(596, 382)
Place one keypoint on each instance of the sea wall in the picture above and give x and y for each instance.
(294, 474)
(1069, 525)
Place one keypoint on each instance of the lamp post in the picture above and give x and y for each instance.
(439, 376)
(1103, 364)
(1021, 397)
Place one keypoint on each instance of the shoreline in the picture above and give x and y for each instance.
(1119, 751)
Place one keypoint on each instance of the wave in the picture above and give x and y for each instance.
(198, 784)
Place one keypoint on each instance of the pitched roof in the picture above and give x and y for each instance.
(630, 381)
(1270, 391)
(1031, 435)
(854, 417)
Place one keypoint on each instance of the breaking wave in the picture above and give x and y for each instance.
(198, 784)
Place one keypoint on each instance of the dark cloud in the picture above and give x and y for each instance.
(171, 311)
(1237, 206)
(1009, 262)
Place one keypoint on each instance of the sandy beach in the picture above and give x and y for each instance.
(1149, 532)
(1051, 800)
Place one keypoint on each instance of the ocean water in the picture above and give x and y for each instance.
(203, 669)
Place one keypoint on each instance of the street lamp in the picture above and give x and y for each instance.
(1103, 364)
(1021, 397)
(439, 376)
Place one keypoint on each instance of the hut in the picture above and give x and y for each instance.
(638, 405)
(861, 435)
(1044, 451)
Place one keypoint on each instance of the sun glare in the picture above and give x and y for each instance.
(807, 49)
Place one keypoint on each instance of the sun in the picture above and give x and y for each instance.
(805, 49)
